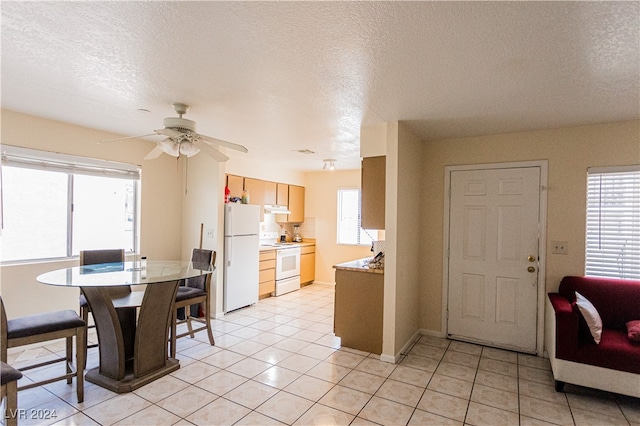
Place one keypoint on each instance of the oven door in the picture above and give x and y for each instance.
(287, 263)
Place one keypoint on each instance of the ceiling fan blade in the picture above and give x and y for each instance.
(155, 153)
(217, 155)
(126, 137)
(169, 132)
(224, 143)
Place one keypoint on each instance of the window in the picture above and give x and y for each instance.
(55, 205)
(349, 230)
(613, 222)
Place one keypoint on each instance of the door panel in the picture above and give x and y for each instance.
(494, 225)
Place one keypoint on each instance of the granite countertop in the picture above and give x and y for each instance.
(360, 265)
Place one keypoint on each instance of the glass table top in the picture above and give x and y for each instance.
(124, 273)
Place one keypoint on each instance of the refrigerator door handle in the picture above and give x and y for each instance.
(228, 249)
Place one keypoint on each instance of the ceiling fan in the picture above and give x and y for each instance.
(182, 139)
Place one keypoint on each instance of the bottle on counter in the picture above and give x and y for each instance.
(245, 196)
(227, 194)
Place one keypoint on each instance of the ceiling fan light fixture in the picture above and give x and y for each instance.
(187, 148)
(170, 147)
(329, 164)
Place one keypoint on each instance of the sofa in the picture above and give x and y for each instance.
(612, 365)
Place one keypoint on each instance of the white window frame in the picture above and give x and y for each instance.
(372, 234)
(72, 165)
(612, 230)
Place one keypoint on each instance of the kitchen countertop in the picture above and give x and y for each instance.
(360, 265)
(289, 244)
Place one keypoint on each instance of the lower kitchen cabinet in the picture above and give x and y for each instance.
(267, 274)
(358, 309)
(307, 264)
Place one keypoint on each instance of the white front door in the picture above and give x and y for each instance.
(493, 257)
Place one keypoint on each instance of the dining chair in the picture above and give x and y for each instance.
(94, 257)
(193, 291)
(44, 327)
(9, 377)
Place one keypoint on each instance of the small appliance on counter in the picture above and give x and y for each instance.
(297, 238)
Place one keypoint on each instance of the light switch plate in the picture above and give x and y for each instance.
(560, 247)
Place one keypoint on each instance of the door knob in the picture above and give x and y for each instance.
(531, 258)
(531, 269)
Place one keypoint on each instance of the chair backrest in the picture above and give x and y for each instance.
(206, 257)
(3, 332)
(94, 257)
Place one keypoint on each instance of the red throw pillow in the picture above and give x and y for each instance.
(633, 330)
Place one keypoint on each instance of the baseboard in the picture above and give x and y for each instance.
(394, 359)
(332, 284)
(433, 333)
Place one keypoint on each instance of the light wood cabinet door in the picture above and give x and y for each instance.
(235, 185)
(256, 190)
(307, 266)
(373, 197)
(296, 204)
(270, 193)
(282, 198)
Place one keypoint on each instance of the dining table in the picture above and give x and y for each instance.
(133, 349)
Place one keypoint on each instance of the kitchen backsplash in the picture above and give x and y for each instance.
(307, 228)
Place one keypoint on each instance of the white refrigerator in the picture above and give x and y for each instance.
(241, 255)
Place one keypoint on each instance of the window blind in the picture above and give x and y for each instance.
(56, 162)
(613, 222)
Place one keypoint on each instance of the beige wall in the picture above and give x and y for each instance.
(569, 151)
(321, 203)
(161, 204)
(409, 216)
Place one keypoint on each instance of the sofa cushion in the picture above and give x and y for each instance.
(591, 316)
(633, 330)
(615, 351)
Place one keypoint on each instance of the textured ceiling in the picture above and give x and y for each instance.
(283, 76)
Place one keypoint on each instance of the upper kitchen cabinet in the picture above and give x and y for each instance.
(295, 203)
(270, 193)
(373, 188)
(282, 198)
(235, 185)
(255, 187)
(256, 190)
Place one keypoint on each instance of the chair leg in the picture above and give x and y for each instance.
(81, 345)
(11, 409)
(187, 315)
(209, 331)
(69, 356)
(84, 313)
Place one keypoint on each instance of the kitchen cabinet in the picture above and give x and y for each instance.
(307, 264)
(295, 204)
(267, 273)
(358, 309)
(372, 189)
(235, 185)
(270, 193)
(282, 196)
(256, 189)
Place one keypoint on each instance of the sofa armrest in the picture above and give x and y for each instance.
(567, 327)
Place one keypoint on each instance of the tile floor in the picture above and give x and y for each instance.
(277, 362)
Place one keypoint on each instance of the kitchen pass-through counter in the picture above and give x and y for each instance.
(359, 305)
